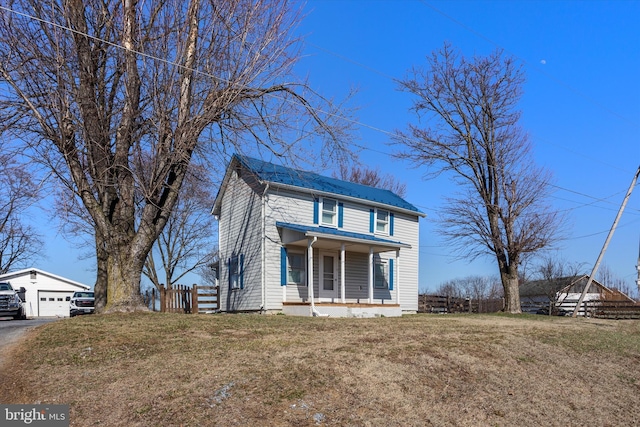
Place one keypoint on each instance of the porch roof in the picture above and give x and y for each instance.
(357, 242)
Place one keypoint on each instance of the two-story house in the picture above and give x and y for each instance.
(305, 244)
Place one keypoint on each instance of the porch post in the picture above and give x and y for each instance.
(310, 270)
(397, 276)
(370, 274)
(342, 273)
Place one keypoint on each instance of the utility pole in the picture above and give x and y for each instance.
(638, 268)
(606, 243)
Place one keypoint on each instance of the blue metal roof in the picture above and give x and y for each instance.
(273, 173)
(334, 232)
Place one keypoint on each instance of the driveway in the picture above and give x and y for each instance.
(12, 330)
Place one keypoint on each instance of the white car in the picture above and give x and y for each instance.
(82, 302)
(11, 302)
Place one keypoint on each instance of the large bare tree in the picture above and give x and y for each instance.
(472, 131)
(118, 96)
(20, 244)
(186, 242)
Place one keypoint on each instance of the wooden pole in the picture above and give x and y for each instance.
(606, 243)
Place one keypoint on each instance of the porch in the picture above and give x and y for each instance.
(350, 274)
(327, 309)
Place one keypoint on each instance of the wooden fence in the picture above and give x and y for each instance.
(445, 304)
(184, 299)
(613, 309)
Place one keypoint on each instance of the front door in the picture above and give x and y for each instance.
(328, 276)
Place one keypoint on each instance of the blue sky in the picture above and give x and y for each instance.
(581, 105)
(581, 108)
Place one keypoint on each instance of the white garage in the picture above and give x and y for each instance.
(47, 294)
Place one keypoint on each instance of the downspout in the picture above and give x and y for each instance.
(314, 311)
(263, 279)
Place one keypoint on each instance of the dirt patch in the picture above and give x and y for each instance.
(177, 370)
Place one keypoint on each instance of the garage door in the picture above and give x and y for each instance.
(52, 303)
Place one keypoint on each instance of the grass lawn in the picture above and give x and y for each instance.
(152, 369)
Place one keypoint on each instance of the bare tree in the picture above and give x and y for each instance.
(556, 274)
(20, 244)
(371, 177)
(184, 246)
(117, 97)
(451, 288)
(608, 278)
(473, 133)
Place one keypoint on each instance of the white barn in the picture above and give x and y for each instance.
(47, 294)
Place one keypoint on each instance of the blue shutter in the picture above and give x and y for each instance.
(283, 266)
(241, 271)
(316, 210)
(229, 271)
(340, 215)
(391, 274)
(391, 216)
(372, 219)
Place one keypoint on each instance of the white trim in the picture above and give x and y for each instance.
(396, 277)
(321, 211)
(386, 231)
(370, 275)
(343, 261)
(8, 276)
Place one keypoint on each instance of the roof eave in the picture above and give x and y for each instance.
(344, 197)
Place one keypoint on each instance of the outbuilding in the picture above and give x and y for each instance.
(47, 295)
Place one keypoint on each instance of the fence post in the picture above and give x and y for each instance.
(194, 299)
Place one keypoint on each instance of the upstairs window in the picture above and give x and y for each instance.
(382, 221)
(329, 211)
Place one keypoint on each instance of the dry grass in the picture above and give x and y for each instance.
(177, 370)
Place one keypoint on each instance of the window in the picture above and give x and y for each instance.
(382, 221)
(235, 272)
(380, 275)
(295, 268)
(329, 211)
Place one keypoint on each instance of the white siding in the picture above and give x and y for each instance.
(297, 208)
(406, 230)
(240, 229)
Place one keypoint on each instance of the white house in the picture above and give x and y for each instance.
(47, 294)
(281, 229)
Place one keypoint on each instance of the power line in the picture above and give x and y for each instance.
(317, 110)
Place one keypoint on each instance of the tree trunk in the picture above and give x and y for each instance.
(511, 288)
(100, 287)
(123, 282)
